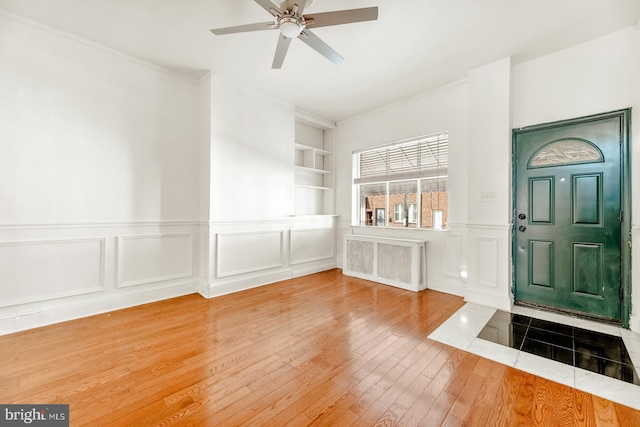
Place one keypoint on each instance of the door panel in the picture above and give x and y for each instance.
(587, 199)
(567, 233)
(541, 260)
(541, 202)
(587, 269)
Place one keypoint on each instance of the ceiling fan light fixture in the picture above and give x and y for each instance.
(290, 27)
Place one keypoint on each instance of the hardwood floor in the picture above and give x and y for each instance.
(324, 349)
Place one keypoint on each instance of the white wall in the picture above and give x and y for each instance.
(252, 160)
(489, 175)
(89, 135)
(595, 77)
(98, 178)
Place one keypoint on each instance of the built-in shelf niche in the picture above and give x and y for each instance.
(314, 179)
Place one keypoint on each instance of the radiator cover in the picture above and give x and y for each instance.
(395, 262)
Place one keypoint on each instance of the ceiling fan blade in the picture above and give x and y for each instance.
(270, 7)
(342, 17)
(289, 4)
(281, 51)
(321, 47)
(244, 28)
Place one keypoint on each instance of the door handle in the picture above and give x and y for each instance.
(522, 217)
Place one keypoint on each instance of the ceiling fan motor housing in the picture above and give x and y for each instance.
(290, 26)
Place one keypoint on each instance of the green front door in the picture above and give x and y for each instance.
(568, 215)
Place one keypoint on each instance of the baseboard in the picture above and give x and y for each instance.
(634, 324)
(236, 284)
(457, 289)
(35, 317)
(500, 303)
(317, 267)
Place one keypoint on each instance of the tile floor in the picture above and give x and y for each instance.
(600, 359)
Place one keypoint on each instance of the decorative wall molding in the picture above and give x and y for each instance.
(486, 261)
(155, 259)
(289, 220)
(451, 255)
(490, 226)
(30, 267)
(322, 245)
(72, 270)
(93, 45)
(144, 261)
(72, 225)
(260, 250)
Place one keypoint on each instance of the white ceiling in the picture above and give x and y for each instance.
(414, 46)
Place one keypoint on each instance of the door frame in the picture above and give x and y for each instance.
(625, 194)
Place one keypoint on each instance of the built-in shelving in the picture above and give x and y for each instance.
(312, 170)
(313, 167)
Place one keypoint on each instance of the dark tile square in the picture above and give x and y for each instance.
(610, 368)
(505, 329)
(548, 351)
(500, 317)
(556, 328)
(503, 317)
(504, 334)
(601, 345)
(518, 319)
(553, 338)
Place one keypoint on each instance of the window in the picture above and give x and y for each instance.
(407, 180)
(397, 213)
(413, 213)
(437, 220)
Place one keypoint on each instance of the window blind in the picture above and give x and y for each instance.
(423, 157)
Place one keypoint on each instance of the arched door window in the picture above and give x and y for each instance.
(568, 151)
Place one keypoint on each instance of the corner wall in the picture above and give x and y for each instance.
(98, 179)
(252, 237)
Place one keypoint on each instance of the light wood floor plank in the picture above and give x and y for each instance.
(323, 349)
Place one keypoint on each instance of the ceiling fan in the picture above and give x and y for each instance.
(291, 23)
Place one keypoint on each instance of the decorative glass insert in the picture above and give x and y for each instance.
(565, 152)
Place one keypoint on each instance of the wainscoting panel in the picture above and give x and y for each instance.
(451, 256)
(48, 269)
(246, 252)
(489, 269)
(487, 261)
(154, 258)
(311, 245)
(52, 273)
